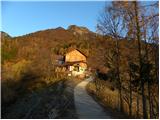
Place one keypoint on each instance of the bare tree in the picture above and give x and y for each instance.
(131, 20)
(110, 24)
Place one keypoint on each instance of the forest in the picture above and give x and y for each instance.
(136, 75)
(123, 55)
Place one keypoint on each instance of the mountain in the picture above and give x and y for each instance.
(78, 30)
(41, 47)
(30, 59)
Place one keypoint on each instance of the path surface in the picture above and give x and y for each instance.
(86, 107)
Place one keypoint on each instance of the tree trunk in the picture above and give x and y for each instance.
(150, 101)
(137, 113)
(143, 101)
(118, 73)
(130, 97)
(120, 100)
(138, 34)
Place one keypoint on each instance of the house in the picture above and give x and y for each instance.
(75, 63)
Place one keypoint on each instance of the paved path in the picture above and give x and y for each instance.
(86, 107)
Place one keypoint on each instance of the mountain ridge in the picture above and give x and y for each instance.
(75, 29)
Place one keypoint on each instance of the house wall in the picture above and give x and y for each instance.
(75, 55)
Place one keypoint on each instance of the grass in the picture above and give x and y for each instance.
(109, 97)
(20, 78)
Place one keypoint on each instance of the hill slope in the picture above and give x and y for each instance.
(28, 61)
(47, 43)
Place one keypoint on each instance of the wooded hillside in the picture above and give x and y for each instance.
(33, 55)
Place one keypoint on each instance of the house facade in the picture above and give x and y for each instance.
(75, 63)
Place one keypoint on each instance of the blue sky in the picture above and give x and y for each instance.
(19, 18)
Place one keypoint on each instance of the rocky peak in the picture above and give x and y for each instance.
(78, 29)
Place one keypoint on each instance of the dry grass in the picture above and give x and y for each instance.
(109, 96)
(22, 77)
(11, 76)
